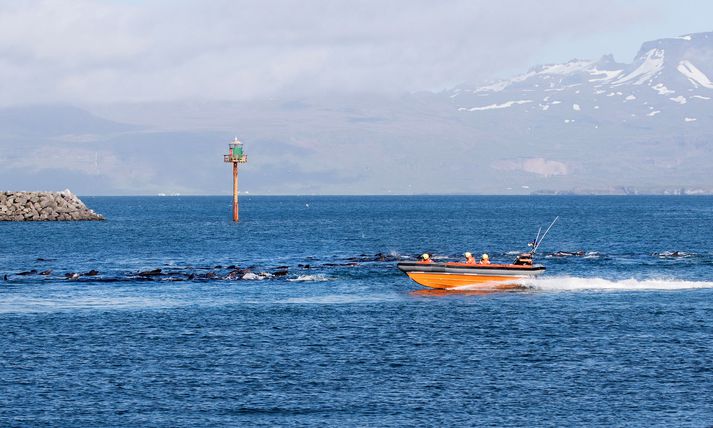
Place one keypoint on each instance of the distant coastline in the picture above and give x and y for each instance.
(629, 191)
(540, 192)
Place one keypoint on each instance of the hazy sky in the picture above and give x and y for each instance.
(105, 51)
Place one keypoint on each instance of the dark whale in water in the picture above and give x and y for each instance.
(673, 254)
(153, 272)
(568, 254)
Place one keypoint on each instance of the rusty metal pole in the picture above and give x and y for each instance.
(235, 156)
(235, 192)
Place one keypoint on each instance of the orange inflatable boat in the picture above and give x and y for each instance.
(472, 276)
(453, 275)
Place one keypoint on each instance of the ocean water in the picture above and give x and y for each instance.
(297, 316)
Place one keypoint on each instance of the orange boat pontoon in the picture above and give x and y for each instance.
(453, 275)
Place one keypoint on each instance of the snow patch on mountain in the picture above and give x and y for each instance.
(507, 104)
(647, 70)
(503, 84)
(662, 89)
(566, 68)
(694, 75)
(607, 75)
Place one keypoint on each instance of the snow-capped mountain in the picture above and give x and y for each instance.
(669, 77)
(599, 125)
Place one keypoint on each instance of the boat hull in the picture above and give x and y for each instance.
(457, 275)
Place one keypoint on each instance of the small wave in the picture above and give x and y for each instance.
(568, 283)
(310, 278)
(340, 299)
(24, 304)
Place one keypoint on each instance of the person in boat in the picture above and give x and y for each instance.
(469, 259)
(484, 259)
(524, 259)
(425, 258)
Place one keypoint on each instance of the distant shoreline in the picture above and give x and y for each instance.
(534, 194)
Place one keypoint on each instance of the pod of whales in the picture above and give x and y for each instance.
(231, 272)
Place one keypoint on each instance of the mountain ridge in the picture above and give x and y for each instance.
(665, 65)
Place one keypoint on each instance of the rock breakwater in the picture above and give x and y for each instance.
(44, 206)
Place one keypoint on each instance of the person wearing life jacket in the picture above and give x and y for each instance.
(524, 259)
(425, 259)
(484, 259)
(469, 259)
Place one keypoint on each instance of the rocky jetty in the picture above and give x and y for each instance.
(44, 206)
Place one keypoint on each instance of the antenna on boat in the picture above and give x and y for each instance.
(539, 240)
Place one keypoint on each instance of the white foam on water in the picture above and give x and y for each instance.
(310, 278)
(570, 283)
(250, 276)
(394, 253)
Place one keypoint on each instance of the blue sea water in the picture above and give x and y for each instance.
(297, 316)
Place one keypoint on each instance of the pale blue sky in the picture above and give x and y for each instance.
(659, 19)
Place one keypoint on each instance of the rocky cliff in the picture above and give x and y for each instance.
(44, 206)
